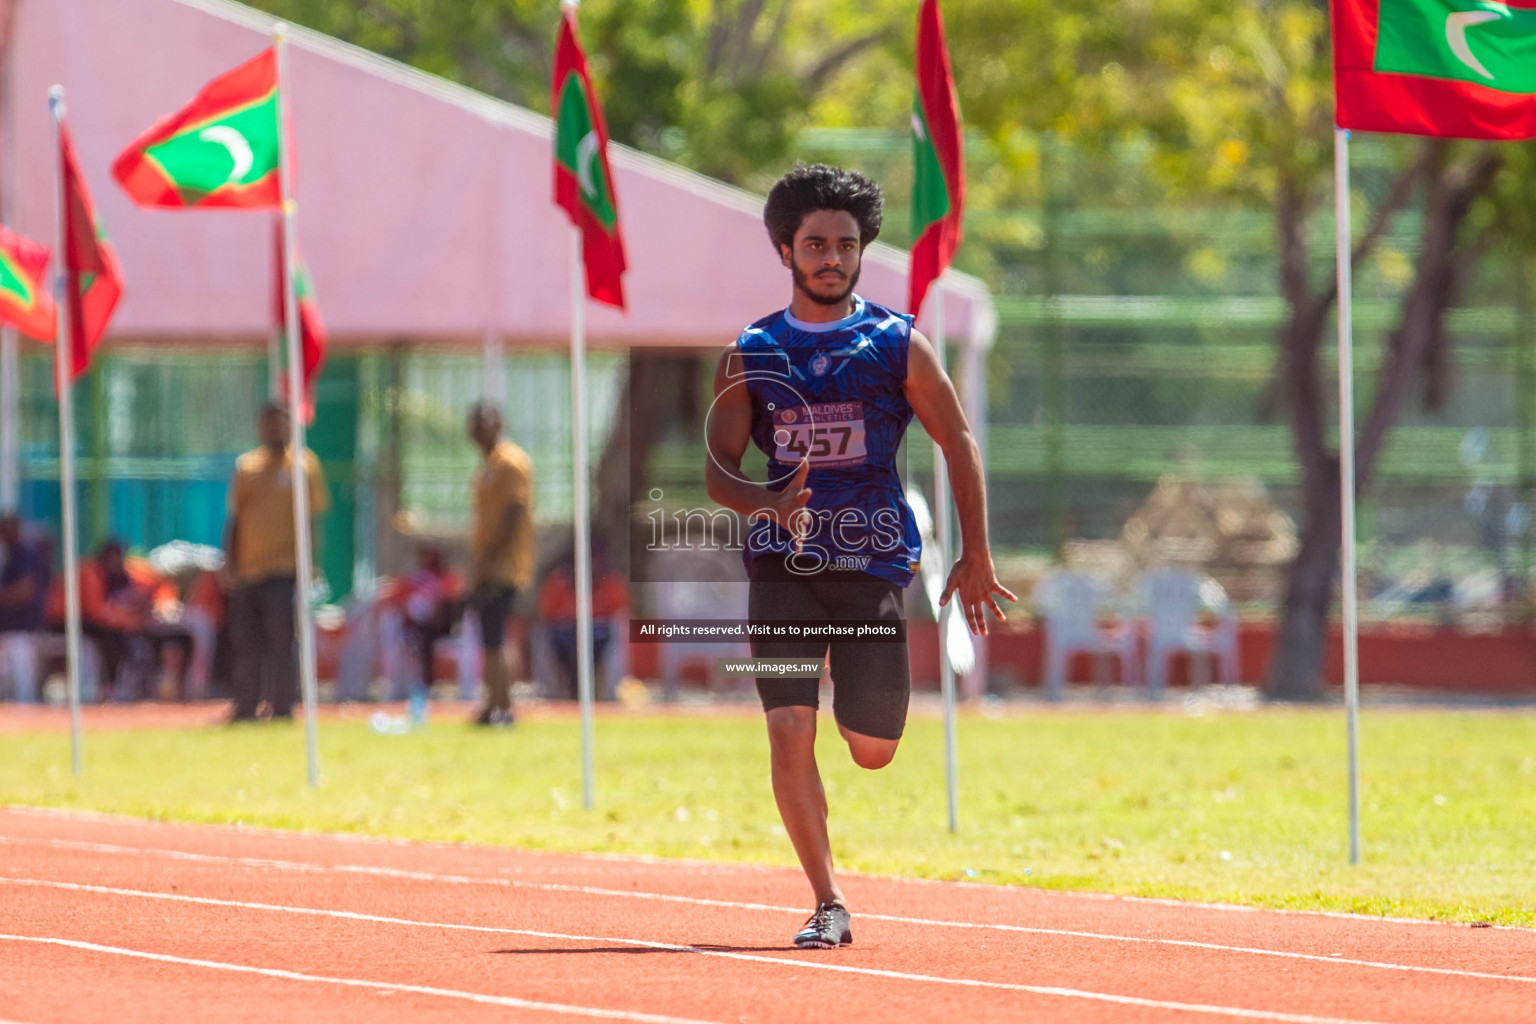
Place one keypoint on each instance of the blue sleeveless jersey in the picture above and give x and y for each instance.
(835, 393)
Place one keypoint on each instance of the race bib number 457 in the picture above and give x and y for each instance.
(830, 434)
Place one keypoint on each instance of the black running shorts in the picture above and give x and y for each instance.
(871, 682)
(492, 602)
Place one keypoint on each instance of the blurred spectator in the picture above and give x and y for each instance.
(23, 580)
(190, 573)
(378, 631)
(261, 548)
(557, 613)
(160, 654)
(24, 576)
(501, 540)
(428, 599)
(118, 599)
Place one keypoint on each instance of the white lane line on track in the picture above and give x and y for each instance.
(427, 990)
(587, 890)
(1044, 990)
(355, 839)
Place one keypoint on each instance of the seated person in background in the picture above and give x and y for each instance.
(24, 576)
(165, 637)
(23, 580)
(116, 610)
(429, 599)
(557, 612)
(111, 609)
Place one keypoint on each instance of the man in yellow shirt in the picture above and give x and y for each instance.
(501, 550)
(261, 560)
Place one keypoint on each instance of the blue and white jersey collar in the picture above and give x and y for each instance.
(829, 325)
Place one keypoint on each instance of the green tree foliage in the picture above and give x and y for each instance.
(1234, 100)
(1229, 103)
(720, 86)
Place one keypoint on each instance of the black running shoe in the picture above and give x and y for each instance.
(494, 717)
(828, 928)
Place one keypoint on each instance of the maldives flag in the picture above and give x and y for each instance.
(220, 150)
(583, 182)
(312, 339)
(938, 157)
(94, 282)
(24, 300)
(1455, 68)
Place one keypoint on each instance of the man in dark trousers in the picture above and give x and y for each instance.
(501, 550)
(23, 580)
(261, 552)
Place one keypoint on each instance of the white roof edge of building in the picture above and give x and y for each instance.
(487, 107)
(510, 115)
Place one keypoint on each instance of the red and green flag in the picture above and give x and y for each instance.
(312, 337)
(938, 156)
(583, 181)
(24, 300)
(1453, 68)
(220, 150)
(94, 282)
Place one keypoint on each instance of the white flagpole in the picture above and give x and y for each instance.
(581, 512)
(304, 567)
(1344, 249)
(973, 400)
(62, 352)
(275, 340)
(10, 350)
(941, 533)
(493, 370)
(10, 370)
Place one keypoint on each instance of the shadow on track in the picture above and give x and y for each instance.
(643, 949)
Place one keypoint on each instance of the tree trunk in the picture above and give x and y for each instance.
(1296, 666)
(658, 387)
(1296, 662)
(623, 455)
(1295, 670)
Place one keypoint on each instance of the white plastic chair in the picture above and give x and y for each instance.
(394, 658)
(18, 667)
(401, 660)
(1173, 600)
(467, 654)
(1070, 603)
(607, 673)
(21, 660)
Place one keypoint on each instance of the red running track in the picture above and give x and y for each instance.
(115, 919)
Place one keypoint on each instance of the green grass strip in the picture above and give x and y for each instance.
(1233, 807)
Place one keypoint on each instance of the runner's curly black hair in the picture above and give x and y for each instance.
(819, 187)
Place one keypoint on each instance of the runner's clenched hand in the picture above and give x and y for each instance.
(784, 505)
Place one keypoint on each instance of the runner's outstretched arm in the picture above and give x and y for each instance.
(932, 397)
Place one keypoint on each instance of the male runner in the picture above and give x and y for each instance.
(826, 389)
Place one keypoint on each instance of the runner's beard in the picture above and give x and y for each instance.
(803, 283)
